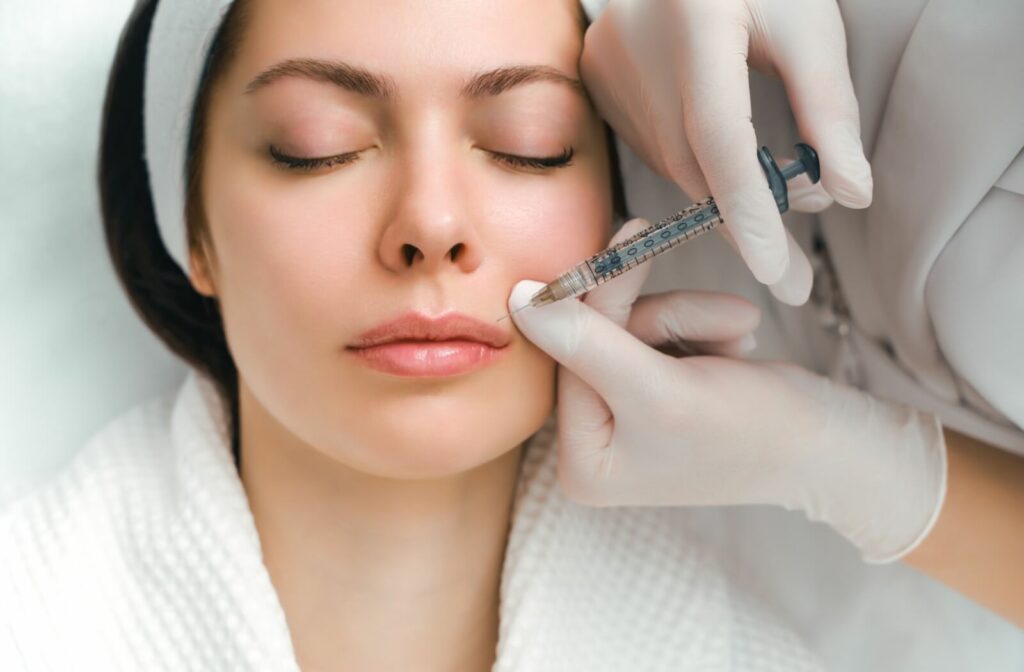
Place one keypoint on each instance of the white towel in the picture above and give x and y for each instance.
(143, 555)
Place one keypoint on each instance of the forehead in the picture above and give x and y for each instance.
(420, 43)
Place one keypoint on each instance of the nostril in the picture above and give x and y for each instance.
(456, 249)
(409, 253)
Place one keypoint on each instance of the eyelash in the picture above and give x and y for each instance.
(313, 163)
(536, 162)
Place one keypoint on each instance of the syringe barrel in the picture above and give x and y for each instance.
(636, 249)
(577, 280)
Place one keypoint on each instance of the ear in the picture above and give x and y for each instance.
(199, 273)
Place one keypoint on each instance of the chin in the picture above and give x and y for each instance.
(432, 438)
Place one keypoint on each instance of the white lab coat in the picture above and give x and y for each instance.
(934, 269)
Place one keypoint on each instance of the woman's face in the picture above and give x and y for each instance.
(419, 213)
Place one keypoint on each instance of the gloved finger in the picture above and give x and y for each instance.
(618, 97)
(717, 116)
(674, 157)
(810, 198)
(583, 340)
(735, 348)
(794, 288)
(817, 78)
(585, 430)
(643, 107)
(683, 315)
(614, 299)
(805, 196)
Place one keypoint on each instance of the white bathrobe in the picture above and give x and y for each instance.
(142, 554)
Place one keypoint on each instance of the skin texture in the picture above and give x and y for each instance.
(383, 502)
(976, 547)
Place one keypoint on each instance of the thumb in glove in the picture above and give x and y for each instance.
(604, 341)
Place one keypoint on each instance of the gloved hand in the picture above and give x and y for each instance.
(640, 427)
(671, 78)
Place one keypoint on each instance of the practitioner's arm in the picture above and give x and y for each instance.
(977, 544)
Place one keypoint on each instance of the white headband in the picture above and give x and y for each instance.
(179, 41)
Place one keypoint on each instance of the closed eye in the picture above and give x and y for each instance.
(537, 162)
(304, 163)
(307, 164)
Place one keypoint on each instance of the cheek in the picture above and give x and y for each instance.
(289, 256)
(548, 227)
(288, 251)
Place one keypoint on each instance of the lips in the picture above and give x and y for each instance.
(417, 345)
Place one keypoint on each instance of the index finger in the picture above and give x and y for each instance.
(717, 118)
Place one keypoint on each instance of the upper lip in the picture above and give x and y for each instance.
(419, 327)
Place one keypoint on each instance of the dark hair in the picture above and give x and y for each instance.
(159, 291)
(187, 322)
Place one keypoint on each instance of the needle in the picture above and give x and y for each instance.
(510, 314)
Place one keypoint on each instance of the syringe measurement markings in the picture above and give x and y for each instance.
(646, 244)
(656, 239)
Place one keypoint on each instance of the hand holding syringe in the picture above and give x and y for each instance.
(639, 426)
(669, 232)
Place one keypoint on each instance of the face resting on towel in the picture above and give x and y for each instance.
(421, 104)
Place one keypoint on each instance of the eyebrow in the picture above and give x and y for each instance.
(499, 80)
(373, 85)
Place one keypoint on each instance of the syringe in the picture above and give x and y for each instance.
(669, 232)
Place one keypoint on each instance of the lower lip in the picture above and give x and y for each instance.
(428, 358)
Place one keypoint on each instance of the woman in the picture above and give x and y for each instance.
(389, 505)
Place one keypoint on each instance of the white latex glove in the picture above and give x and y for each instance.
(671, 78)
(640, 427)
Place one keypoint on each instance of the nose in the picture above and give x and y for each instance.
(431, 228)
